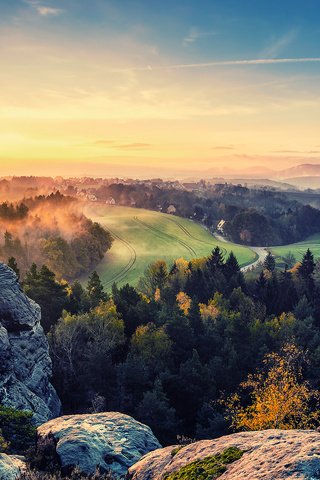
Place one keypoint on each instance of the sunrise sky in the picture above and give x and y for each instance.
(103, 87)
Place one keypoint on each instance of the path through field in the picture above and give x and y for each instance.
(143, 236)
(261, 252)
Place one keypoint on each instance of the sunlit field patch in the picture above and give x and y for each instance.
(298, 249)
(143, 236)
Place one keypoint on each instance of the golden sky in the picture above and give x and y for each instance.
(114, 91)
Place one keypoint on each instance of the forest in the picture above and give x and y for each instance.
(188, 345)
(51, 230)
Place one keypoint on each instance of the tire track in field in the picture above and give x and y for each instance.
(161, 234)
(186, 231)
(126, 269)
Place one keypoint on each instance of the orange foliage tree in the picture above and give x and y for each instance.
(278, 396)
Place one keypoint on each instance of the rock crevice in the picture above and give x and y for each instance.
(25, 365)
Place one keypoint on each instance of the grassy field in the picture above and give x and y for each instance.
(298, 249)
(143, 236)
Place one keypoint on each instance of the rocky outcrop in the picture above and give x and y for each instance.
(25, 365)
(111, 441)
(268, 455)
(10, 466)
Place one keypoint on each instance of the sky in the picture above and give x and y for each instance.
(140, 87)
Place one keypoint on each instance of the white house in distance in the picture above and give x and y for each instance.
(220, 226)
(92, 197)
(171, 209)
(110, 201)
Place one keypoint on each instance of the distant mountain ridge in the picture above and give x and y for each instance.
(303, 170)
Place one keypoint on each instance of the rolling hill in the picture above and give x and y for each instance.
(143, 236)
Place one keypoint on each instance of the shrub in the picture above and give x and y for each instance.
(17, 429)
(75, 475)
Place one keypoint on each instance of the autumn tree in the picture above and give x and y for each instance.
(155, 277)
(279, 396)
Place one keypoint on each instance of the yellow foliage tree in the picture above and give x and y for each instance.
(279, 397)
(184, 302)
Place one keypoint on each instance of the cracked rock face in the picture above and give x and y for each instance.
(113, 441)
(25, 365)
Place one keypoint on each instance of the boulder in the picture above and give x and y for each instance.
(268, 455)
(25, 365)
(111, 441)
(10, 466)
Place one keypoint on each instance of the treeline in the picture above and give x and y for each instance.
(259, 217)
(164, 352)
(9, 211)
(50, 230)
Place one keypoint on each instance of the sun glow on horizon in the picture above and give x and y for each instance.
(74, 93)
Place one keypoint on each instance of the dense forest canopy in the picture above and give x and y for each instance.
(174, 351)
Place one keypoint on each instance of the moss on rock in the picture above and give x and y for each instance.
(207, 468)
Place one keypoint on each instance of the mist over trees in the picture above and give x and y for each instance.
(51, 230)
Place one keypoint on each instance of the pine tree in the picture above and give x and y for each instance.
(231, 266)
(195, 319)
(51, 295)
(155, 411)
(215, 261)
(12, 263)
(260, 286)
(161, 275)
(95, 290)
(288, 297)
(305, 272)
(269, 262)
(306, 269)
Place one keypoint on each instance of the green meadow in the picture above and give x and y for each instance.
(298, 249)
(143, 236)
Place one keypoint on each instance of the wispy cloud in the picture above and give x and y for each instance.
(223, 147)
(43, 10)
(133, 146)
(278, 45)
(126, 146)
(194, 34)
(224, 63)
(48, 11)
(303, 152)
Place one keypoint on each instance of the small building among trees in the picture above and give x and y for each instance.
(171, 209)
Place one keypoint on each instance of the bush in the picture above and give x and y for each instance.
(17, 429)
(75, 475)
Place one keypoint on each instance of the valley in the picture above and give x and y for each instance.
(143, 236)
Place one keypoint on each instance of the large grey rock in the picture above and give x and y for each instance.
(112, 441)
(269, 455)
(25, 365)
(10, 466)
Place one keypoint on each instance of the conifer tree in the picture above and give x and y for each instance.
(216, 260)
(95, 290)
(269, 262)
(12, 263)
